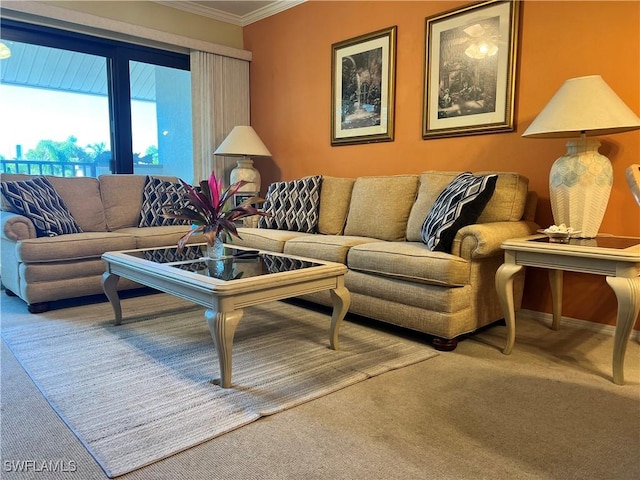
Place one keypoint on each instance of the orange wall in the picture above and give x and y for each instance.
(291, 103)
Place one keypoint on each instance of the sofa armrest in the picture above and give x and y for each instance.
(16, 227)
(485, 239)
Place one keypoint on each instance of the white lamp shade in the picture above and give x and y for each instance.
(243, 141)
(583, 104)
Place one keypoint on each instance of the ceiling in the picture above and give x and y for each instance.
(237, 12)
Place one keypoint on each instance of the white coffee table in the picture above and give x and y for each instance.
(618, 258)
(227, 286)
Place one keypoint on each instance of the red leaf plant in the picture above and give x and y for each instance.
(208, 211)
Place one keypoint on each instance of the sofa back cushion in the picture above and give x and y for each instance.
(507, 203)
(81, 195)
(122, 198)
(335, 197)
(380, 207)
(509, 199)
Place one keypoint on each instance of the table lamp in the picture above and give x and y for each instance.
(243, 142)
(633, 179)
(580, 181)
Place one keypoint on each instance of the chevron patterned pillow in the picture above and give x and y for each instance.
(157, 195)
(293, 205)
(458, 205)
(38, 200)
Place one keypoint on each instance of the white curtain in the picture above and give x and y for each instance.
(220, 101)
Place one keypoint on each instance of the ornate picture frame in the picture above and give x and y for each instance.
(363, 88)
(470, 70)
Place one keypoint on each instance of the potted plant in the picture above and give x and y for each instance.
(209, 214)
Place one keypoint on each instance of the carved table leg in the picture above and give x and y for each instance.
(223, 327)
(504, 287)
(627, 291)
(341, 301)
(109, 283)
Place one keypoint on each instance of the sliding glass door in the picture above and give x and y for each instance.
(161, 119)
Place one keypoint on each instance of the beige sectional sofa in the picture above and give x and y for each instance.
(373, 225)
(44, 269)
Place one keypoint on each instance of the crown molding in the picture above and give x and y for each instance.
(239, 20)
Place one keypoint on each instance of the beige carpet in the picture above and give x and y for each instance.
(140, 392)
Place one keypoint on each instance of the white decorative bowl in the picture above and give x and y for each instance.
(559, 236)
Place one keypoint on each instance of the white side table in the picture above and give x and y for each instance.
(618, 258)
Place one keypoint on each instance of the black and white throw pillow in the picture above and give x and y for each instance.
(38, 200)
(458, 205)
(158, 197)
(293, 205)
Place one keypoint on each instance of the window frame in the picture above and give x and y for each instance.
(118, 55)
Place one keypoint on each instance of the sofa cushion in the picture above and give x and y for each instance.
(409, 261)
(265, 238)
(48, 273)
(335, 197)
(380, 207)
(72, 247)
(122, 198)
(158, 197)
(509, 199)
(293, 205)
(38, 200)
(166, 235)
(458, 205)
(82, 197)
(506, 205)
(331, 248)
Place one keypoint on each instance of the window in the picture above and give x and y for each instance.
(75, 105)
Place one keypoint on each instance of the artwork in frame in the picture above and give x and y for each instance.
(363, 88)
(470, 70)
(238, 198)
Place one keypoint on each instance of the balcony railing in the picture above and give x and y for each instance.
(59, 169)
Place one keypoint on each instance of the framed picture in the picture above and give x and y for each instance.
(238, 198)
(470, 68)
(363, 88)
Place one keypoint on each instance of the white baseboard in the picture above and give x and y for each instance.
(547, 319)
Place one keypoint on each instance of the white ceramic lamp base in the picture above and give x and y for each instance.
(579, 185)
(245, 171)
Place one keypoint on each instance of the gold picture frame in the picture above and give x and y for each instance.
(470, 70)
(363, 88)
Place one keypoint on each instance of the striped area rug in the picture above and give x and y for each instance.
(140, 392)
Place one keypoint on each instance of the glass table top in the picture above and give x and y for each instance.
(603, 241)
(235, 264)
